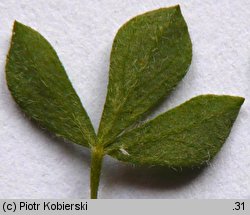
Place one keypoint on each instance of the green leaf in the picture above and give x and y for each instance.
(40, 86)
(187, 136)
(150, 55)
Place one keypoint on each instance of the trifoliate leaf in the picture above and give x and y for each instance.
(150, 55)
(186, 136)
(40, 86)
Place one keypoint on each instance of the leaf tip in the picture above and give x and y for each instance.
(178, 7)
(175, 7)
(16, 24)
(241, 99)
(238, 100)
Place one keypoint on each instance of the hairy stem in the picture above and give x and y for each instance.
(96, 166)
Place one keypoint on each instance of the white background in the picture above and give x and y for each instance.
(35, 165)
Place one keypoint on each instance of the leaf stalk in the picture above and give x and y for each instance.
(97, 155)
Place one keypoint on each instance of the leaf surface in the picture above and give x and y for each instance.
(186, 136)
(40, 86)
(150, 55)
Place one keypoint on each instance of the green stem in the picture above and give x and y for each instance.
(96, 166)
